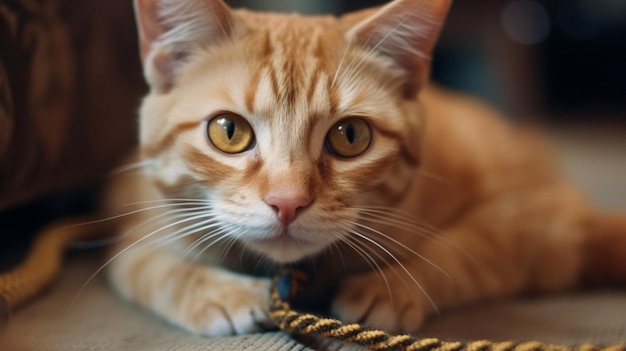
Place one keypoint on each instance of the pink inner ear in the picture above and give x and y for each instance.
(406, 31)
(146, 14)
(170, 29)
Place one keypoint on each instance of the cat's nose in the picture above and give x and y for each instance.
(286, 205)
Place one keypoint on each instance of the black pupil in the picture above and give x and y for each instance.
(350, 133)
(230, 129)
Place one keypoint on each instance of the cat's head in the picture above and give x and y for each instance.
(288, 125)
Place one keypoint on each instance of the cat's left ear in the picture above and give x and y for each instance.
(406, 31)
(169, 30)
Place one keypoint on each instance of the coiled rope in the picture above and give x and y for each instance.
(287, 283)
(41, 266)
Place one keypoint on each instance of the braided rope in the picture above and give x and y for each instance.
(43, 262)
(41, 265)
(288, 283)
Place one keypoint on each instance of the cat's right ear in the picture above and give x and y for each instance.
(169, 30)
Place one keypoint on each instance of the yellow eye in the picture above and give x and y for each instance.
(349, 137)
(230, 133)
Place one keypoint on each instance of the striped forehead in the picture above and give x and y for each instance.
(292, 65)
(291, 70)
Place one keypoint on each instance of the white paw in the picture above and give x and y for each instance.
(367, 299)
(217, 307)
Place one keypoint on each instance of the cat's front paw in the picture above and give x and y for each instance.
(381, 304)
(218, 308)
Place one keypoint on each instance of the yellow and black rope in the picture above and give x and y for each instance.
(43, 263)
(287, 283)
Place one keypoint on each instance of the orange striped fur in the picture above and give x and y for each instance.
(447, 205)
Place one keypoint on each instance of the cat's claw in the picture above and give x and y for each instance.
(364, 299)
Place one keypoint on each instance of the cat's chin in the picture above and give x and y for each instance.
(285, 249)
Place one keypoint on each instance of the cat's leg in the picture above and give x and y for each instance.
(505, 248)
(204, 300)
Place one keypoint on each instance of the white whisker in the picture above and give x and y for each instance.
(341, 62)
(398, 222)
(185, 232)
(113, 239)
(233, 240)
(395, 241)
(128, 167)
(354, 244)
(172, 215)
(397, 261)
(379, 215)
(123, 251)
(201, 240)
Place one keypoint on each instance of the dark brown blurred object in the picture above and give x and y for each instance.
(70, 82)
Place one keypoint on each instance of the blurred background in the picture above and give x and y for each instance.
(551, 59)
(70, 84)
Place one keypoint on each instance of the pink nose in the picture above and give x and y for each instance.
(287, 206)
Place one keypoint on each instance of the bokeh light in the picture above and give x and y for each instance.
(526, 22)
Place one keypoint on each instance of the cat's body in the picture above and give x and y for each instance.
(399, 196)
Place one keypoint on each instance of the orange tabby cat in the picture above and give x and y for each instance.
(270, 139)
